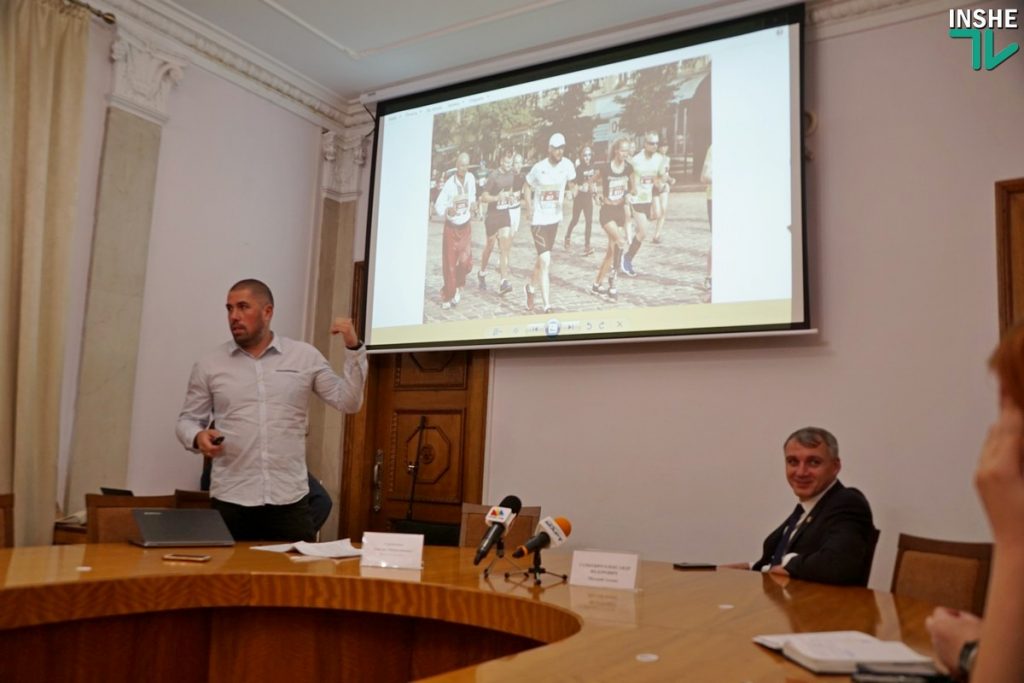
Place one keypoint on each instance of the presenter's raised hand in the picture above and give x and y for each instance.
(347, 330)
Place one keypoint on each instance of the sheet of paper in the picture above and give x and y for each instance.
(333, 549)
(276, 548)
(339, 548)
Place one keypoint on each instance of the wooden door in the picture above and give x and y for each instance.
(446, 392)
(1010, 251)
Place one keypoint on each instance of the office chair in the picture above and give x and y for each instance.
(946, 573)
(109, 518)
(473, 525)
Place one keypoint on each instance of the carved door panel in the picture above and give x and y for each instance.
(436, 403)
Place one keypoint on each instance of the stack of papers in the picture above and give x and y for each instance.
(334, 549)
(839, 651)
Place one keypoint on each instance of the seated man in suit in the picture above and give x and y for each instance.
(830, 535)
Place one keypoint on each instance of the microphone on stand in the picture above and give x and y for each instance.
(550, 533)
(498, 519)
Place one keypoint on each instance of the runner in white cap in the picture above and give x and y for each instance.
(544, 195)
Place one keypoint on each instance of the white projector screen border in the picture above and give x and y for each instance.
(747, 276)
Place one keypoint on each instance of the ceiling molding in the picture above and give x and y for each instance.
(213, 49)
(641, 30)
(236, 61)
(355, 54)
(832, 18)
(825, 19)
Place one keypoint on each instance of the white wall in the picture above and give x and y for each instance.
(673, 450)
(236, 193)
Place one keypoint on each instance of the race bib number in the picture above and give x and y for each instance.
(550, 199)
(617, 186)
(507, 199)
(460, 206)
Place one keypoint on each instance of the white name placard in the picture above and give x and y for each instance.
(604, 570)
(395, 551)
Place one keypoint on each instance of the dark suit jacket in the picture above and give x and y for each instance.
(834, 543)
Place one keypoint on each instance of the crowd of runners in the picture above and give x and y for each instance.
(630, 191)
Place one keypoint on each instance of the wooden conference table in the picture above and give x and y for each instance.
(112, 612)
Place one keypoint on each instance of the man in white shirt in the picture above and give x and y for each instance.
(256, 389)
(544, 193)
(650, 171)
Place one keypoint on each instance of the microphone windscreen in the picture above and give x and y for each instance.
(564, 524)
(512, 503)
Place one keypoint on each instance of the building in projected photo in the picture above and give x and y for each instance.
(672, 99)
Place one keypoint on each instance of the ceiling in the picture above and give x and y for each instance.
(349, 48)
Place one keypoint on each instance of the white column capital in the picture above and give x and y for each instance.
(344, 158)
(143, 76)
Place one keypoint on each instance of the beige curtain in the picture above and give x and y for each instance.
(43, 48)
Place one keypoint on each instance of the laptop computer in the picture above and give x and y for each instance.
(178, 528)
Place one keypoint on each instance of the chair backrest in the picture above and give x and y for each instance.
(7, 520)
(473, 525)
(109, 518)
(191, 499)
(945, 573)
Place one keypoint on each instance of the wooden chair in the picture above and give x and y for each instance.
(7, 520)
(109, 518)
(945, 573)
(473, 525)
(191, 499)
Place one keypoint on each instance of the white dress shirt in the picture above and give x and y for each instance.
(261, 407)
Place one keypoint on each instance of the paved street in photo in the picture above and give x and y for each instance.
(672, 272)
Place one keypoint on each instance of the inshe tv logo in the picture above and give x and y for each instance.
(980, 26)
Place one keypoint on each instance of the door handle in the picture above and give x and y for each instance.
(378, 465)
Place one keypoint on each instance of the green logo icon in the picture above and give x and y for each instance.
(983, 44)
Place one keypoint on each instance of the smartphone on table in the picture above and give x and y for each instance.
(186, 557)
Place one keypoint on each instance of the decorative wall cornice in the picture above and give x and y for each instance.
(278, 84)
(344, 158)
(826, 18)
(143, 76)
(831, 18)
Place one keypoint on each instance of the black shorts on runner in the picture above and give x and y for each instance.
(544, 237)
(493, 222)
(611, 213)
(644, 208)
